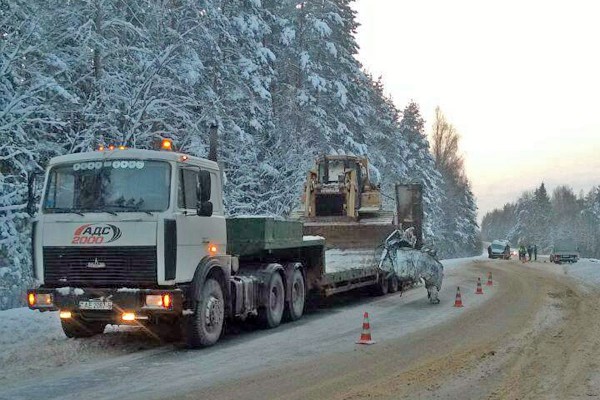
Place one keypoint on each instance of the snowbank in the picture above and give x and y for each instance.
(586, 269)
(32, 342)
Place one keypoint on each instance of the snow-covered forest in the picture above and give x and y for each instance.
(543, 219)
(279, 77)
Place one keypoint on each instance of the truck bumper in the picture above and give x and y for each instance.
(109, 305)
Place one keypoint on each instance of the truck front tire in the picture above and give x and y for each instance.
(76, 327)
(270, 315)
(205, 326)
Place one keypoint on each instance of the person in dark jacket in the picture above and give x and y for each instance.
(530, 251)
(535, 251)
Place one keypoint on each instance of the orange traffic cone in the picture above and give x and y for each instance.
(479, 288)
(365, 337)
(458, 301)
(489, 282)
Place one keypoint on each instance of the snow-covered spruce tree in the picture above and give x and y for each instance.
(498, 223)
(589, 224)
(26, 117)
(564, 217)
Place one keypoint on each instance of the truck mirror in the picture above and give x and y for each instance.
(205, 209)
(203, 187)
(33, 197)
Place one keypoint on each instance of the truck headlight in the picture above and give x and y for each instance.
(159, 300)
(40, 299)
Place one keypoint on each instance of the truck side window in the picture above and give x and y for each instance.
(214, 190)
(187, 189)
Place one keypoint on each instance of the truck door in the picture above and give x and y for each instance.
(197, 236)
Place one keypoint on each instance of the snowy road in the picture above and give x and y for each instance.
(532, 335)
(38, 362)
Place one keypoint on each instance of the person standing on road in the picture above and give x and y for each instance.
(535, 251)
(530, 251)
(522, 253)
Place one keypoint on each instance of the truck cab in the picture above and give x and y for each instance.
(120, 234)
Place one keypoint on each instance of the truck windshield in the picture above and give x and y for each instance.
(108, 186)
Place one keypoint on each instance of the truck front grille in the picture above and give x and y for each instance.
(100, 266)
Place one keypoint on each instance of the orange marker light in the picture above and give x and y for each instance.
(128, 316)
(212, 249)
(166, 300)
(100, 148)
(31, 299)
(65, 314)
(166, 144)
(183, 158)
(111, 147)
(121, 147)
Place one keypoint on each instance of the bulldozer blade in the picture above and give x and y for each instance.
(344, 234)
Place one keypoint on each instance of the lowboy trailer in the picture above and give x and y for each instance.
(128, 236)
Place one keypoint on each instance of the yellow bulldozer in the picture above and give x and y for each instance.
(341, 203)
(339, 186)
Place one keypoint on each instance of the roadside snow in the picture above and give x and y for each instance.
(33, 342)
(454, 263)
(586, 269)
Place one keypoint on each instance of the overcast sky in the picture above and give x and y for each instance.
(520, 80)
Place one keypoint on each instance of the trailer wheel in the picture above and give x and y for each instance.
(381, 289)
(393, 284)
(206, 324)
(295, 307)
(270, 315)
(76, 327)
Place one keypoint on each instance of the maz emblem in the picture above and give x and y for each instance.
(96, 264)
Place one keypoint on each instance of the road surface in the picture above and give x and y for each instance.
(532, 335)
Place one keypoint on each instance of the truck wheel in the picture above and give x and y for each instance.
(75, 327)
(270, 315)
(206, 324)
(295, 307)
(393, 284)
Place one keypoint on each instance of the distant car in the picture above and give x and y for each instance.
(566, 251)
(499, 249)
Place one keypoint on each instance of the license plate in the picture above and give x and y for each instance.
(95, 305)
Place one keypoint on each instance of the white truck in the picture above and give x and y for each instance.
(128, 236)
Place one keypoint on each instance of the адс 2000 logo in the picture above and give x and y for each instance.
(96, 234)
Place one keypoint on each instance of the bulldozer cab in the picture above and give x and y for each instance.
(335, 169)
(339, 186)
